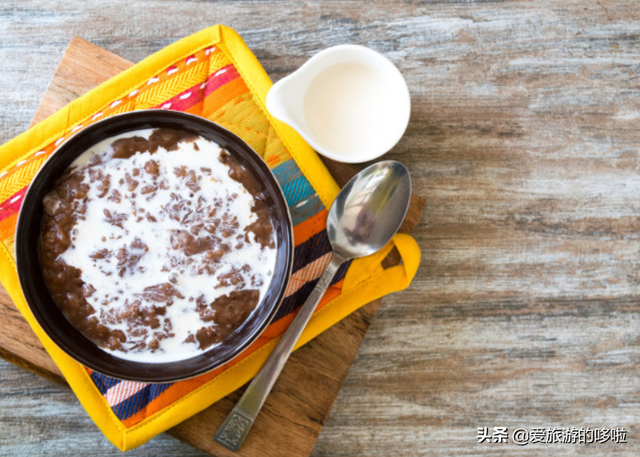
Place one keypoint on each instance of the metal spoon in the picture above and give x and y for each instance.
(365, 215)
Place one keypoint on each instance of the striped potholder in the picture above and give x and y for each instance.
(214, 75)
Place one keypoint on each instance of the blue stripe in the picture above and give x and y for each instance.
(309, 208)
(286, 172)
(295, 300)
(342, 272)
(123, 409)
(103, 382)
(297, 190)
(312, 249)
(156, 390)
(139, 401)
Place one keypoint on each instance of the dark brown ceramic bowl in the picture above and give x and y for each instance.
(49, 315)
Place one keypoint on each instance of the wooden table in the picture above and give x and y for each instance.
(524, 141)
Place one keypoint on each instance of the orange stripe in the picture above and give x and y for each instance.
(163, 87)
(302, 232)
(182, 388)
(275, 152)
(8, 227)
(277, 328)
(305, 230)
(216, 101)
(330, 294)
(195, 109)
(272, 160)
(309, 272)
(213, 106)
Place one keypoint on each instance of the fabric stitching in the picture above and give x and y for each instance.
(119, 425)
(346, 294)
(324, 198)
(207, 384)
(274, 341)
(126, 92)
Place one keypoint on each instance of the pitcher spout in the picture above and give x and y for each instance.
(285, 101)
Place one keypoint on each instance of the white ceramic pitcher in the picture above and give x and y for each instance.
(348, 102)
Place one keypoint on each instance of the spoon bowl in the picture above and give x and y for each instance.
(369, 209)
(365, 215)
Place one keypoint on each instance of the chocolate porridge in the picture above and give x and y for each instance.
(157, 244)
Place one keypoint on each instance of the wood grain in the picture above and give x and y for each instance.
(524, 140)
(307, 387)
(76, 74)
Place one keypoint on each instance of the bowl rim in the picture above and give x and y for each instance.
(150, 372)
(316, 64)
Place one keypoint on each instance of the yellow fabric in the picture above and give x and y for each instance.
(365, 281)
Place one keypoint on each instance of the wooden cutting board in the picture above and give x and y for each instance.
(297, 408)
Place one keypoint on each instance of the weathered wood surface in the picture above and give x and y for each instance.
(524, 140)
(301, 400)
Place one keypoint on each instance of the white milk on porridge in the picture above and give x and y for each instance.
(167, 243)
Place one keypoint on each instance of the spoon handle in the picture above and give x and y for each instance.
(234, 429)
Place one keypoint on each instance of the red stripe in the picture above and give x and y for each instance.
(200, 91)
(197, 94)
(220, 78)
(12, 204)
